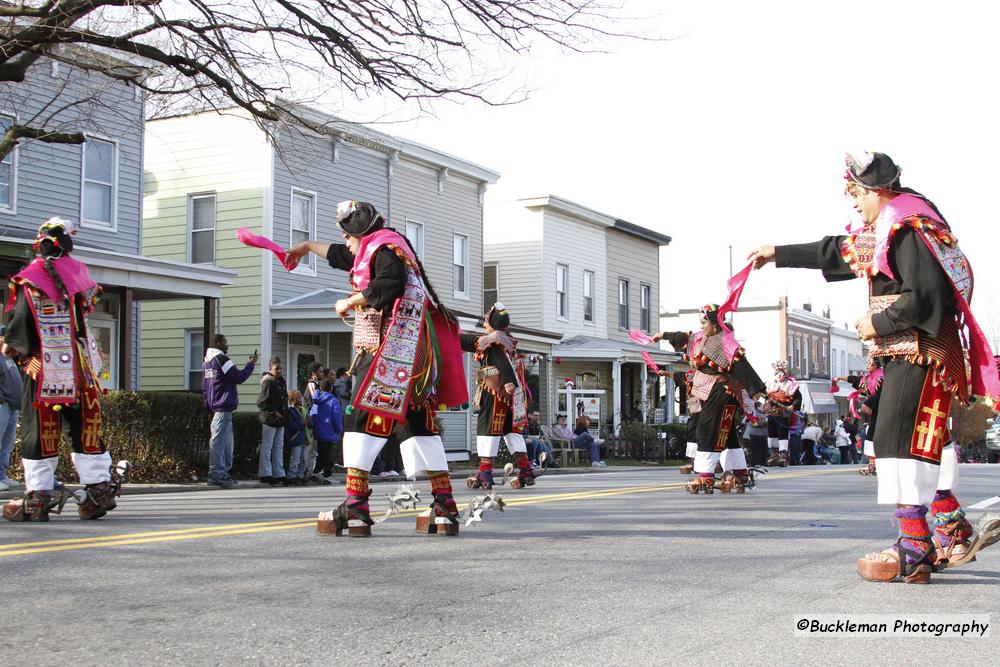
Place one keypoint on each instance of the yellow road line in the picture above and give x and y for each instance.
(127, 539)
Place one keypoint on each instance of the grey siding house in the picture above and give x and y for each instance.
(589, 277)
(98, 186)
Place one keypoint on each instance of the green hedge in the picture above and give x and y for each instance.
(165, 436)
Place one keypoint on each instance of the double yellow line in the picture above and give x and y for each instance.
(72, 544)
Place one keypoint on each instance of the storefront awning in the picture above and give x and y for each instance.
(816, 397)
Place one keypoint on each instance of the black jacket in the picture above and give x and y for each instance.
(272, 400)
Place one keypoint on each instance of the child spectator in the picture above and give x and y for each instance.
(328, 427)
(296, 439)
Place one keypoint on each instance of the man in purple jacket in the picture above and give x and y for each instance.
(220, 377)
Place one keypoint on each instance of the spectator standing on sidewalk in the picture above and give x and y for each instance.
(312, 386)
(342, 388)
(218, 385)
(296, 439)
(272, 403)
(328, 429)
(11, 387)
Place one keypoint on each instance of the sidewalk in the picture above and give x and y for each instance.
(456, 475)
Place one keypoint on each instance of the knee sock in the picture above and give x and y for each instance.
(357, 487)
(949, 516)
(913, 529)
(522, 460)
(441, 485)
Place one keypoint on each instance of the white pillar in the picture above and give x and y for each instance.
(616, 396)
(644, 375)
(669, 396)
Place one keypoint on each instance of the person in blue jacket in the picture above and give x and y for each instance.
(219, 379)
(327, 425)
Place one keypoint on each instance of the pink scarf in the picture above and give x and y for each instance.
(361, 273)
(73, 274)
(246, 237)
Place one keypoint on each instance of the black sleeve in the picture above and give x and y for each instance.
(744, 373)
(797, 399)
(677, 339)
(854, 381)
(468, 342)
(22, 335)
(388, 280)
(340, 257)
(824, 255)
(496, 357)
(872, 401)
(925, 294)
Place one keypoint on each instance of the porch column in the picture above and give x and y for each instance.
(616, 398)
(644, 379)
(669, 380)
(208, 321)
(125, 326)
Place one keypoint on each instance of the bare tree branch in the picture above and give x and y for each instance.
(265, 56)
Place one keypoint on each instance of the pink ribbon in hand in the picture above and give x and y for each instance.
(640, 337)
(247, 237)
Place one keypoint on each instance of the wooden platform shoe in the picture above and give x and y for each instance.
(352, 516)
(438, 519)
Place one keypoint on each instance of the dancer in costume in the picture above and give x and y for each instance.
(407, 363)
(783, 399)
(920, 284)
(721, 376)
(867, 390)
(47, 330)
(679, 340)
(500, 398)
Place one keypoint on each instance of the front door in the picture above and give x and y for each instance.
(299, 359)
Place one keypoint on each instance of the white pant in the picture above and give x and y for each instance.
(912, 482)
(489, 445)
(419, 453)
(40, 474)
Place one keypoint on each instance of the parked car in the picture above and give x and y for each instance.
(993, 440)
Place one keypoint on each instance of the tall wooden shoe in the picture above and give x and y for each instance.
(353, 518)
(437, 520)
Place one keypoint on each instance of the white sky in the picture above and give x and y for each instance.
(733, 132)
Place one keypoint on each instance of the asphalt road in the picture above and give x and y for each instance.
(604, 568)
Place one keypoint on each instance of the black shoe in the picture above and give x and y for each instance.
(554, 464)
(277, 481)
(264, 480)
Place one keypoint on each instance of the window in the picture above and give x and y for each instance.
(622, 303)
(201, 222)
(195, 345)
(8, 171)
(100, 166)
(491, 288)
(798, 356)
(303, 225)
(645, 292)
(415, 233)
(461, 261)
(588, 296)
(562, 298)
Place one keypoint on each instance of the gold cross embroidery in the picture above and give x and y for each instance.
(51, 435)
(932, 432)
